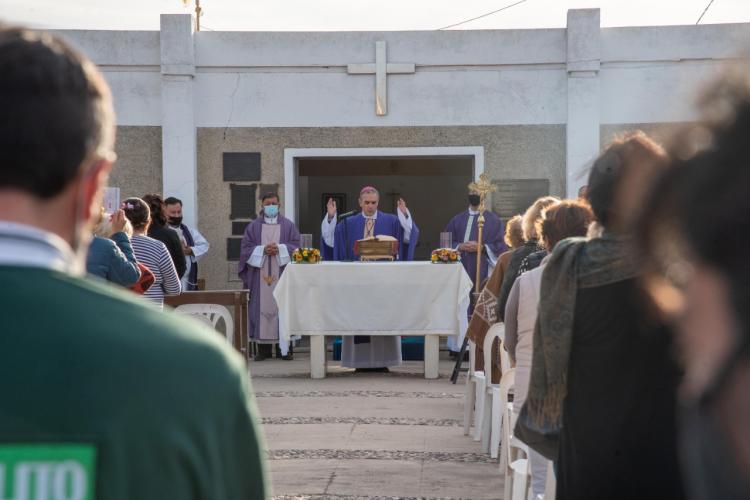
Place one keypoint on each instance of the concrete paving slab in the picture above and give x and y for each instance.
(449, 439)
(311, 437)
(397, 478)
(387, 437)
(357, 406)
(297, 477)
(369, 436)
(471, 480)
(375, 381)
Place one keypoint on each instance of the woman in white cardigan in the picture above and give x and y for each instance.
(564, 220)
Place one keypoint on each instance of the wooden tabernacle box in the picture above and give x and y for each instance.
(377, 248)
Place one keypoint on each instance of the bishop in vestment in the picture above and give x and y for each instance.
(266, 248)
(370, 352)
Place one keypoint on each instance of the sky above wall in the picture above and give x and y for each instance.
(355, 15)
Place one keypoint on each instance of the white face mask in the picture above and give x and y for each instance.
(271, 210)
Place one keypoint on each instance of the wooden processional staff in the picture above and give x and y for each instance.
(482, 187)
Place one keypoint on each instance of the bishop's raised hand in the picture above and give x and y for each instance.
(402, 206)
(331, 207)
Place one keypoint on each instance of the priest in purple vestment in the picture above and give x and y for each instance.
(369, 353)
(266, 249)
(465, 229)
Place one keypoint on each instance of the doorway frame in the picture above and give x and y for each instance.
(292, 155)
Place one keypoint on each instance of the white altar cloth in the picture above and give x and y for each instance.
(373, 298)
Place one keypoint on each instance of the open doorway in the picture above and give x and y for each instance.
(434, 188)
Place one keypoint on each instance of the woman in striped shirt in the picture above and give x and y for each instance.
(151, 253)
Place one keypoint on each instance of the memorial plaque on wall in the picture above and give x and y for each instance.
(241, 167)
(514, 196)
(243, 201)
(238, 227)
(233, 248)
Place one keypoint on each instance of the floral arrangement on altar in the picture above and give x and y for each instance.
(445, 256)
(306, 256)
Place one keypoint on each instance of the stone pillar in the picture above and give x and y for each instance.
(583, 61)
(179, 164)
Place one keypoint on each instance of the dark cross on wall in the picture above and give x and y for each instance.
(394, 200)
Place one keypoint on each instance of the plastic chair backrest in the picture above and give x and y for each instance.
(504, 359)
(214, 313)
(507, 382)
(472, 358)
(201, 319)
(496, 331)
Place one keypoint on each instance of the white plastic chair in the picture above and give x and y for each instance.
(492, 428)
(213, 313)
(483, 411)
(201, 319)
(470, 389)
(514, 462)
(504, 391)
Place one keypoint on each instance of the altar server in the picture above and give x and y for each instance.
(465, 231)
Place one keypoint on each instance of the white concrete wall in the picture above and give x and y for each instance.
(248, 79)
(582, 76)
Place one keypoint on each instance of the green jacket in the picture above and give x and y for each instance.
(105, 397)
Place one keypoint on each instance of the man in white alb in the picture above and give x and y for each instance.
(194, 244)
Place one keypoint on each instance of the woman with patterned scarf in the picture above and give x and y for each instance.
(601, 400)
(485, 311)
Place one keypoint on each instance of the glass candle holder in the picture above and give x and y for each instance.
(446, 240)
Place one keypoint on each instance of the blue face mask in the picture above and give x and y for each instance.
(271, 210)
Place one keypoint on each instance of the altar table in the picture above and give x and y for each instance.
(372, 298)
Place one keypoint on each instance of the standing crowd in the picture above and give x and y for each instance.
(145, 246)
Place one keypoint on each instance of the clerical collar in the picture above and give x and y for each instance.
(271, 220)
(473, 212)
(22, 245)
(373, 217)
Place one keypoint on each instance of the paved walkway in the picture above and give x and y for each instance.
(369, 436)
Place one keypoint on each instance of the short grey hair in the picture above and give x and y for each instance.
(368, 190)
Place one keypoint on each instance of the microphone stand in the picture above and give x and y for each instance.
(343, 218)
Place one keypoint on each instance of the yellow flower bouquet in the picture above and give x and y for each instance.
(306, 256)
(445, 256)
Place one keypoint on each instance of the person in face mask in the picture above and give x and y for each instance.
(194, 245)
(694, 231)
(266, 248)
(159, 230)
(464, 229)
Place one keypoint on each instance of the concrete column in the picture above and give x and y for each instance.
(583, 62)
(179, 163)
